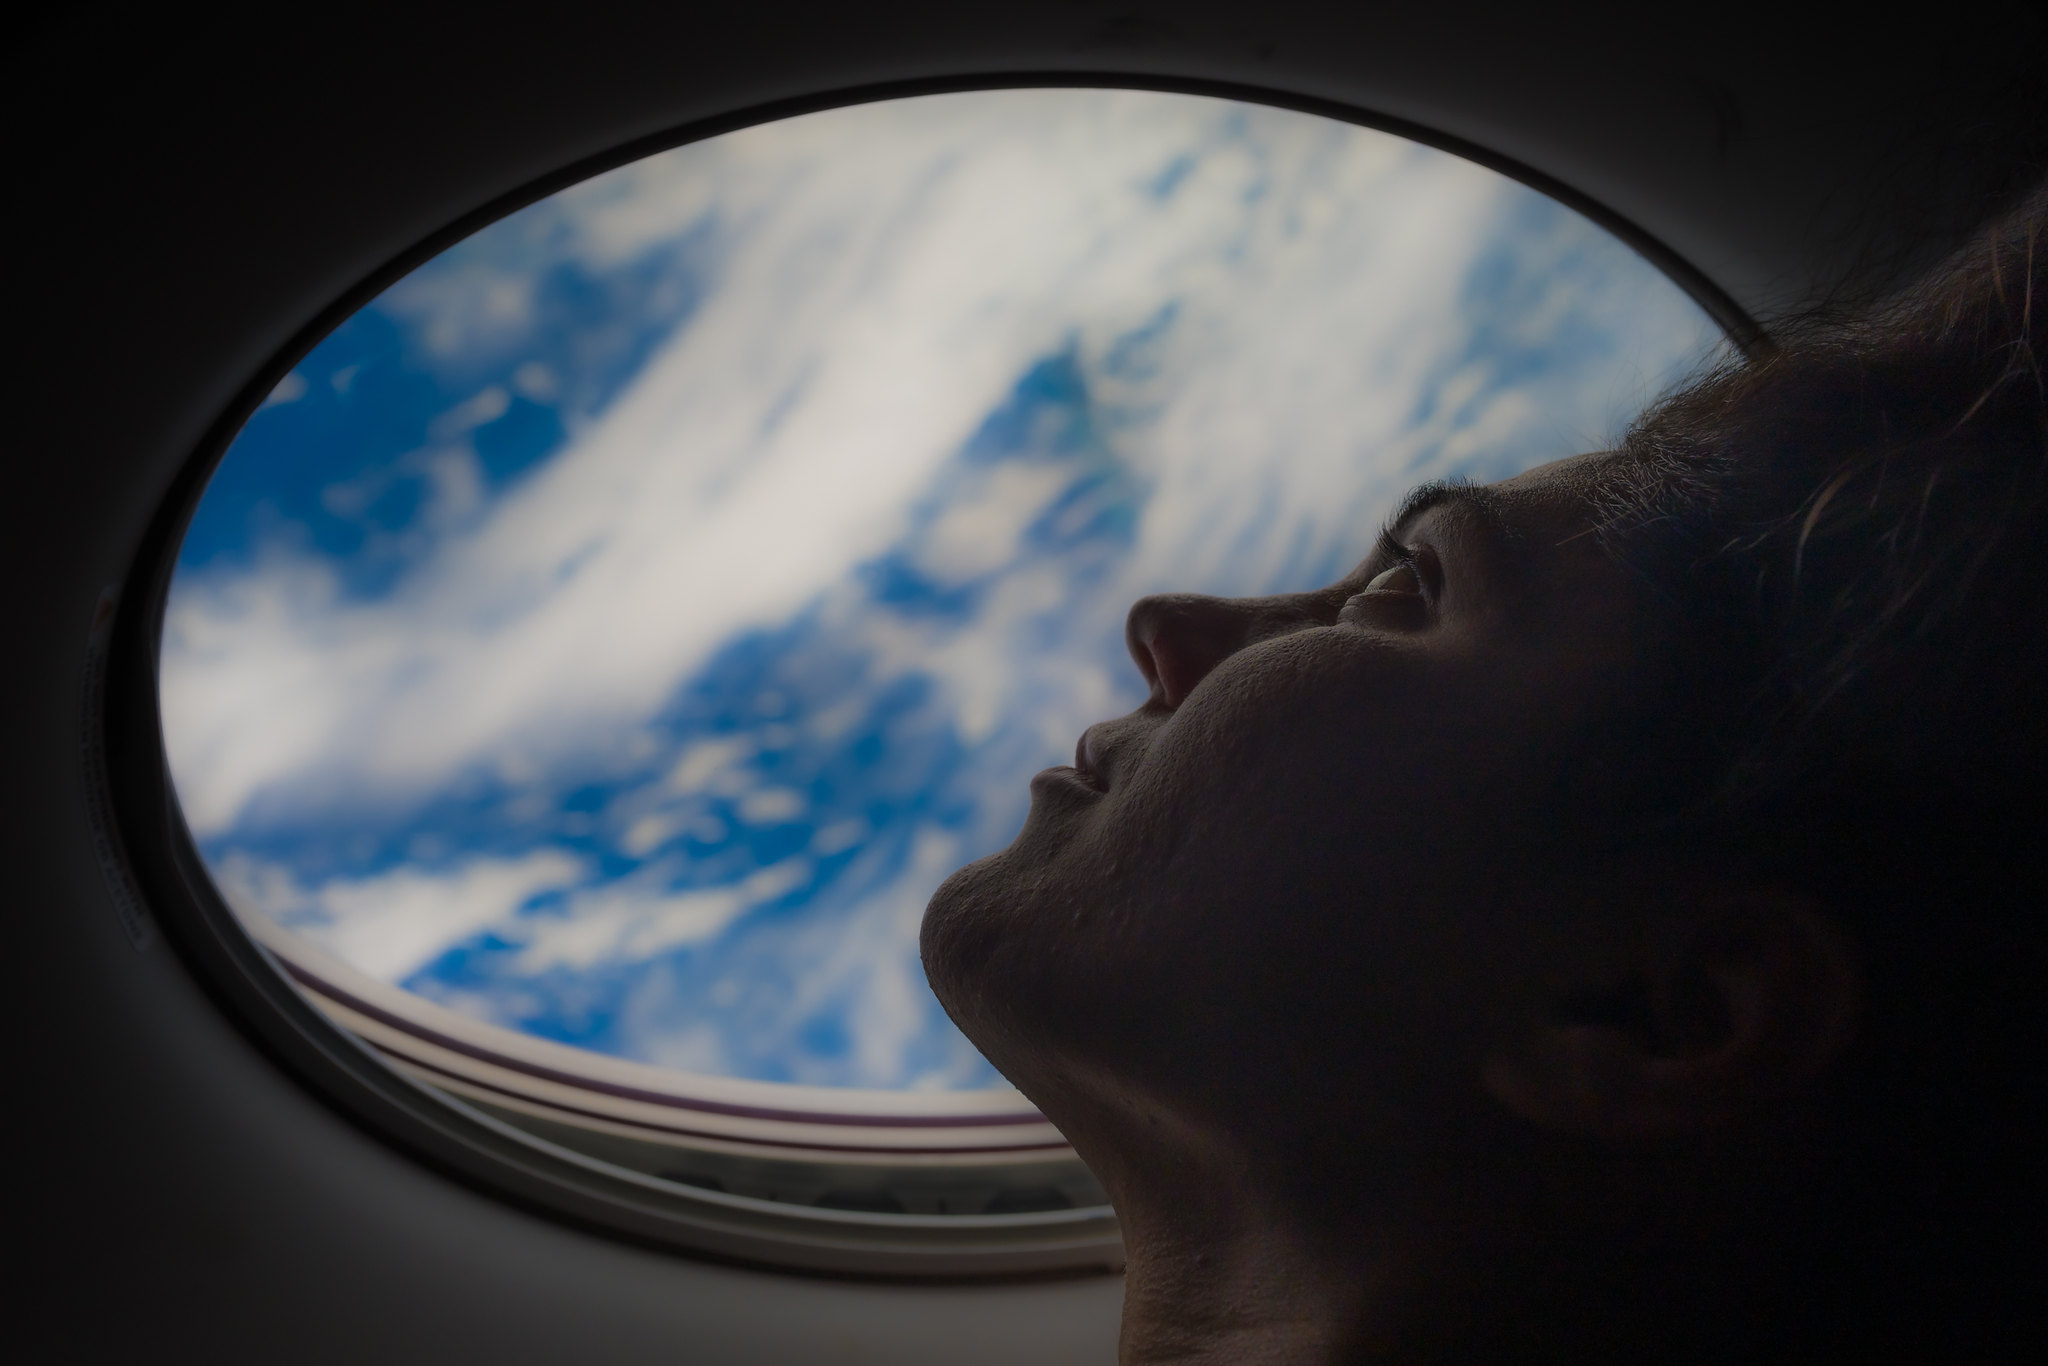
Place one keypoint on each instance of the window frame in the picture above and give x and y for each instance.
(153, 858)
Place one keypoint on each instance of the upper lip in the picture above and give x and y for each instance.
(1107, 749)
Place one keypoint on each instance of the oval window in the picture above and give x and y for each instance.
(584, 665)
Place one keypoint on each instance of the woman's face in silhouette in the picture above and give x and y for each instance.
(1301, 873)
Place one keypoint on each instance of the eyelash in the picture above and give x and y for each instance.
(1391, 552)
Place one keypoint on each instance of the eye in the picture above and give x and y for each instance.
(1402, 578)
(1399, 597)
(1394, 597)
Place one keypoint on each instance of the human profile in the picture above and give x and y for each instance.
(1606, 925)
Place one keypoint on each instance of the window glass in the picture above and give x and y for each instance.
(614, 631)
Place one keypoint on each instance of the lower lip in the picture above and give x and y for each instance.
(1065, 778)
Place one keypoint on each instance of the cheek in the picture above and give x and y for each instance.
(1329, 775)
(1310, 735)
(1262, 811)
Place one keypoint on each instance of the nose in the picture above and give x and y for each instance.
(1177, 638)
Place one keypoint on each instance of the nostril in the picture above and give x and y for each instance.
(1176, 670)
(1176, 641)
(1147, 661)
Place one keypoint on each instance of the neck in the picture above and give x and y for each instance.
(1223, 1267)
(1233, 1280)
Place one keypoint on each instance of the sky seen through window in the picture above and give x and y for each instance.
(618, 628)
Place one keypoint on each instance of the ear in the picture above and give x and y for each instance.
(1721, 1005)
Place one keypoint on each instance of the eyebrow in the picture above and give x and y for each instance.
(1499, 548)
(1437, 493)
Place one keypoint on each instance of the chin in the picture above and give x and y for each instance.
(962, 937)
(1000, 947)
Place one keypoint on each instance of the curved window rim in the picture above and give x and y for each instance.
(153, 853)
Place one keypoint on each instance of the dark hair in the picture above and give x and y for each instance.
(1866, 510)
(1854, 531)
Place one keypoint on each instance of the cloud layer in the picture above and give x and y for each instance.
(847, 441)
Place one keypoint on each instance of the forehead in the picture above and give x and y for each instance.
(1561, 487)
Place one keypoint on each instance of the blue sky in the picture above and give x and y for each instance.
(617, 629)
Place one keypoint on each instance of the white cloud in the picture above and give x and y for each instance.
(649, 833)
(981, 531)
(772, 806)
(704, 762)
(290, 389)
(632, 922)
(488, 405)
(838, 837)
(392, 924)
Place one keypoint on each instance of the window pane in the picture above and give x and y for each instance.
(617, 629)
